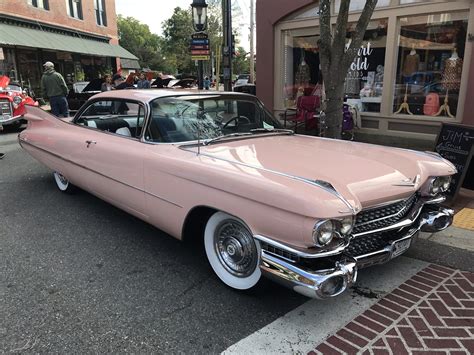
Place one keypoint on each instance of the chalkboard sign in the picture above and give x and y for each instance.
(455, 143)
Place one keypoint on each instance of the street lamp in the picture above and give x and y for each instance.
(199, 15)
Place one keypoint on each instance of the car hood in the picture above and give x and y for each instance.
(362, 174)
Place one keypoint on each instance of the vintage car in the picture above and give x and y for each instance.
(305, 211)
(81, 92)
(12, 102)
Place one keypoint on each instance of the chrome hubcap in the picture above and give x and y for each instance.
(235, 248)
(62, 179)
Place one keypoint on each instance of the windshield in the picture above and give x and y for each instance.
(205, 117)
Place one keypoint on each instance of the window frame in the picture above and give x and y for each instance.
(143, 105)
(71, 11)
(100, 10)
(36, 4)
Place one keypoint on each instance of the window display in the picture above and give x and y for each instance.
(364, 80)
(429, 68)
(301, 69)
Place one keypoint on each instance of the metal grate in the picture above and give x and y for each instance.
(384, 216)
(279, 252)
(5, 109)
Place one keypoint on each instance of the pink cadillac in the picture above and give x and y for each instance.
(307, 212)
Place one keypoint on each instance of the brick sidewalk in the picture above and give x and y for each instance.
(431, 313)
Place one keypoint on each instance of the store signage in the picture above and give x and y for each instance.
(456, 143)
(361, 61)
(200, 57)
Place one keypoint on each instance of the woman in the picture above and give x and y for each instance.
(143, 83)
(107, 84)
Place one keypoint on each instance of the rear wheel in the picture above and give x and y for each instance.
(232, 251)
(63, 184)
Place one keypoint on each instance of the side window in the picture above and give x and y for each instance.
(122, 117)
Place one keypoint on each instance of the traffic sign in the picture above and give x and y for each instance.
(199, 47)
(199, 41)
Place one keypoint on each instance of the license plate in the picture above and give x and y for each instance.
(400, 247)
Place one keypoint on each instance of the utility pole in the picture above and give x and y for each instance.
(252, 49)
(227, 44)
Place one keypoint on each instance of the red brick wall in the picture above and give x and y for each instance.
(57, 15)
(269, 12)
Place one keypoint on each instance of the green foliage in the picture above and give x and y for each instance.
(137, 39)
(241, 62)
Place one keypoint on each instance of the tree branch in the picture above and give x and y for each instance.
(339, 43)
(325, 43)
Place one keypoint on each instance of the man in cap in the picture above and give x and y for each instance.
(54, 87)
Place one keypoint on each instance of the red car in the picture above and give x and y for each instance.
(12, 102)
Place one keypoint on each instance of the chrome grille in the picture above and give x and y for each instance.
(279, 252)
(380, 217)
(6, 111)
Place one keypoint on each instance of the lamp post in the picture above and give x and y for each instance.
(199, 8)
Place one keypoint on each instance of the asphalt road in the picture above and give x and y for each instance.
(78, 275)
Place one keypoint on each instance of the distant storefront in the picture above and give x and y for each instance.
(410, 74)
(25, 46)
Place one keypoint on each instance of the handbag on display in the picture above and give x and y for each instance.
(431, 106)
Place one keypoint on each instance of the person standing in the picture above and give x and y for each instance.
(207, 83)
(54, 87)
(143, 83)
(107, 84)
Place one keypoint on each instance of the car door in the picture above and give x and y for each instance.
(111, 153)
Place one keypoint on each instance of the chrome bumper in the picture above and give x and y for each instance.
(315, 284)
(332, 282)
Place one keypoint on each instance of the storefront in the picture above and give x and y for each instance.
(413, 71)
(24, 47)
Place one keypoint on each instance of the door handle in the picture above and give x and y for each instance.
(90, 142)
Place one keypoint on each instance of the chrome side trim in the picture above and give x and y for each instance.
(304, 253)
(22, 141)
(332, 191)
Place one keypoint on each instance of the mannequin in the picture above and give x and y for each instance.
(412, 61)
(451, 79)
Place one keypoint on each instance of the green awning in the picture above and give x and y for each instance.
(129, 63)
(28, 37)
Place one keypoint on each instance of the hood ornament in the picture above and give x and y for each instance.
(409, 182)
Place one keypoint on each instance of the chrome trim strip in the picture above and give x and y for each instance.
(22, 141)
(304, 253)
(333, 192)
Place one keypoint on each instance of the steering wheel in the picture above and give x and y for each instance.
(236, 119)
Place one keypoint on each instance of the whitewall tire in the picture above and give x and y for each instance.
(63, 184)
(233, 253)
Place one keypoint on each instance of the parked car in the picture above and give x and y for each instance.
(305, 211)
(12, 102)
(242, 79)
(83, 91)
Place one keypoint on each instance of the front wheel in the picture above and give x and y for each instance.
(63, 184)
(232, 251)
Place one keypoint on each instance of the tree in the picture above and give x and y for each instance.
(177, 32)
(241, 61)
(136, 37)
(336, 57)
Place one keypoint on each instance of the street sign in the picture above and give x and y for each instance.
(194, 52)
(199, 42)
(198, 47)
(200, 57)
(199, 36)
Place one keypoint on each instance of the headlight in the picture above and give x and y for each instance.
(17, 100)
(439, 184)
(323, 232)
(345, 225)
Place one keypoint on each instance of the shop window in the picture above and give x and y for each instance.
(358, 5)
(364, 80)
(100, 14)
(41, 4)
(74, 8)
(301, 69)
(429, 67)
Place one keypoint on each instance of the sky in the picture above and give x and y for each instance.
(154, 12)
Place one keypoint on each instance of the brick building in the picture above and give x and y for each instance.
(79, 36)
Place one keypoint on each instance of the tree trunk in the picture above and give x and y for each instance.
(333, 111)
